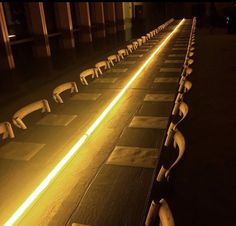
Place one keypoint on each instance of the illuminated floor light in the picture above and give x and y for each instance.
(44, 184)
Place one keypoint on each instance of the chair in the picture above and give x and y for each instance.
(6, 130)
(113, 58)
(186, 72)
(148, 36)
(102, 65)
(89, 72)
(162, 210)
(178, 142)
(63, 87)
(140, 42)
(20, 114)
(144, 39)
(135, 45)
(122, 53)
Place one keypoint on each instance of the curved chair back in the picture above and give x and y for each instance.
(113, 58)
(140, 42)
(63, 87)
(102, 65)
(89, 72)
(20, 114)
(135, 45)
(144, 39)
(6, 130)
(178, 142)
(162, 210)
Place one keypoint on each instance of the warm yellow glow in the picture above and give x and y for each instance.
(44, 184)
(11, 36)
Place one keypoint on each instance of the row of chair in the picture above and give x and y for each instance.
(6, 129)
(120, 55)
(159, 209)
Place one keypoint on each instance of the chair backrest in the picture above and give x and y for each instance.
(140, 42)
(135, 45)
(88, 72)
(187, 86)
(122, 53)
(144, 39)
(63, 87)
(102, 65)
(113, 58)
(178, 142)
(20, 114)
(130, 48)
(190, 54)
(6, 130)
(148, 35)
(162, 210)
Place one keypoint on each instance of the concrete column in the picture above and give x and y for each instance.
(83, 16)
(64, 24)
(98, 19)
(120, 23)
(6, 58)
(110, 17)
(38, 28)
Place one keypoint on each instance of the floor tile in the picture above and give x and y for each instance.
(159, 97)
(173, 69)
(149, 122)
(166, 79)
(133, 156)
(144, 137)
(23, 151)
(86, 96)
(105, 80)
(56, 120)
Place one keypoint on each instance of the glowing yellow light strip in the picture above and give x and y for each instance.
(44, 184)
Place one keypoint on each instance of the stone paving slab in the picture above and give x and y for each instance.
(145, 137)
(22, 151)
(133, 156)
(166, 79)
(159, 97)
(166, 69)
(86, 96)
(56, 120)
(149, 122)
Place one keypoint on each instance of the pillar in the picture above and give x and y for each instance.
(120, 23)
(64, 24)
(83, 16)
(110, 17)
(98, 19)
(6, 58)
(38, 28)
